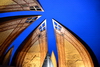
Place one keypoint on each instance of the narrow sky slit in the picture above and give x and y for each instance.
(51, 38)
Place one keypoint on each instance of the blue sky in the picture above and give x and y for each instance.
(80, 16)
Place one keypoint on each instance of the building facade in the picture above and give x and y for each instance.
(19, 5)
(33, 51)
(9, 31)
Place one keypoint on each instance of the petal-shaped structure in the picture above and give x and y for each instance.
(53, 59)
(9, 31)
(33, 50)
(71, 52)
(19, 5)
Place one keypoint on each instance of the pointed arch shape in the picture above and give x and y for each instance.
(72, 51)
